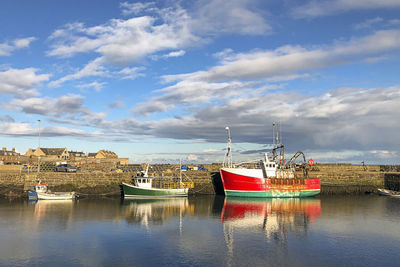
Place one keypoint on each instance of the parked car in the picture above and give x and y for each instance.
(65, 168)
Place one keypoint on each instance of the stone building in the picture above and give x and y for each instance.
(108, 156)
(11, 157)
(49, 154)
(77, 156)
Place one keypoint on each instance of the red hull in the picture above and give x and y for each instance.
(242, 185)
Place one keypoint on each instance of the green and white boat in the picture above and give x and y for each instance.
(142, 187)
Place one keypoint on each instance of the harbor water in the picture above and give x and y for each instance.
(202, 231)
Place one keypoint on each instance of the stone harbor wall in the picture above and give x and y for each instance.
(392, 181)
(335, 179)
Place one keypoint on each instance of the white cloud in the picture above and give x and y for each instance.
(62, 106)
(21, 82)
(291, 59)
(131, 73)
(345, 119)
(6, 118)
(210, 150)
(117, 104)
(368, 23)
(210, 17)
(191, 92)
(97, 86)
(328, 7)
(359, 121)
(96, 68)
(394, 22)
(23, 42)
(135, 8)
(26, 129)
(192, 157)
(6, 48)
(178, 53)
(93, 68)
(227, 80)
(17, 128)
(121, 42)
(384, 153)
(33, 105)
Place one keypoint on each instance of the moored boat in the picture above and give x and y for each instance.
(41, 192)
(271, 178)
(142, 187)
(387, 192)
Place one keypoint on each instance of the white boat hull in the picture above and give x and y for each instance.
(132, 191)
(51, 196)
(387, 192)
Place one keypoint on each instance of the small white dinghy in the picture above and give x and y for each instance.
(41, 192)
(387, 192)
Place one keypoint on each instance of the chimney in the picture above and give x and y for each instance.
(13, 150)
(4, 149)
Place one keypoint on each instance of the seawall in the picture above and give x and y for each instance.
(392, 181)
(335, 179)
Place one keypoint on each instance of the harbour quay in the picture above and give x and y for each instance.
(103, 181)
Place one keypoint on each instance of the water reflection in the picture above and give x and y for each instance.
(271, 217)
(151, 212)
(201, 231)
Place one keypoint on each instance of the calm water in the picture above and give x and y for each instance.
(202, 231)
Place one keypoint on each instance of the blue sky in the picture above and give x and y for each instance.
(159, 81)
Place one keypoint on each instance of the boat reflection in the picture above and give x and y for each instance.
(273, 216)
(57, 212)
(150, 212)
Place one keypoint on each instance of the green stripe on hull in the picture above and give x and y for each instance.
(135, 192)
(272, 194)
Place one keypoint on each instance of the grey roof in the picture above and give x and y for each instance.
(53, 151)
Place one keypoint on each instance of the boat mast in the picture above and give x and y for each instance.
(146, 174)
(180, 171)
(277, 143)
(228, 156)
(38, 170)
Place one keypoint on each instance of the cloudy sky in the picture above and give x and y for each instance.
(159, 81)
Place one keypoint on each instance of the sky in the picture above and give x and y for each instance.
(158, 81)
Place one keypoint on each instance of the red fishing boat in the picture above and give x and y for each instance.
(270, 177)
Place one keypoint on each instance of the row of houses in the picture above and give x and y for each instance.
(59, 155)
